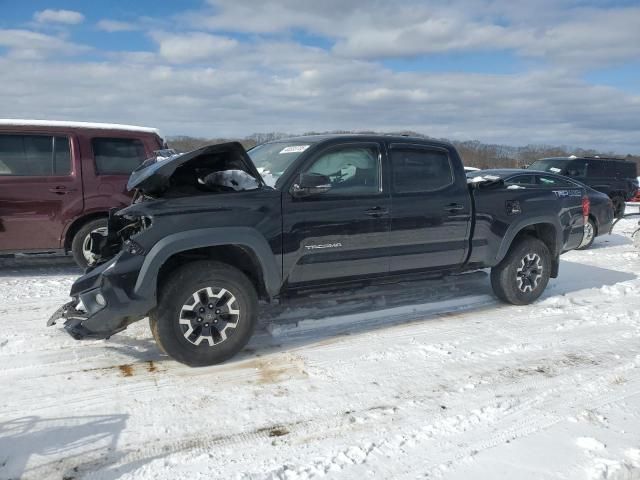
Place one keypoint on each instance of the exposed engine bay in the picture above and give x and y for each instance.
(120, 229)
(207, 173)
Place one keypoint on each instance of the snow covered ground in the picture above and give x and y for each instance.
(424, 380)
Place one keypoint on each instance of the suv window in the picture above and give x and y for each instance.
(61, 156)
(600, 168)
(625, 169)
(351, 169)
(34, 155)
(117, 156)
(418, 169)
(576, 168)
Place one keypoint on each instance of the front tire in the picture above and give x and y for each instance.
(619, 206)
(521, 277)
(206, 313)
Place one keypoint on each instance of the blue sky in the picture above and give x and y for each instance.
(553, 72)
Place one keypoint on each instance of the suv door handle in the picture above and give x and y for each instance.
(454, 207)
(376, 212)
(61, 190)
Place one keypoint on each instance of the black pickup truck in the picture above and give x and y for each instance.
(212, 231)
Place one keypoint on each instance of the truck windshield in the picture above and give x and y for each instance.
(272, 159)
(550, 165)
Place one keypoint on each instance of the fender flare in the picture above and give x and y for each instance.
(516, 227)
(246, 237)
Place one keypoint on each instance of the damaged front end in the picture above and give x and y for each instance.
(114, 291)
(121, 228)
(104, 300)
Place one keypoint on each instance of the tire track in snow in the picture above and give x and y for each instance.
(389, 451)
(447, 425)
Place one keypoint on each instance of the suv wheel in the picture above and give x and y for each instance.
(523, 274)
(81, 243)
(618, 206)
(590, 232)
(206, 313)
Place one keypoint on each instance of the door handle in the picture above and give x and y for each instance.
(454, 207)
(376, 212)
(61, 190)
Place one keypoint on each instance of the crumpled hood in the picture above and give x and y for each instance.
(154, 175)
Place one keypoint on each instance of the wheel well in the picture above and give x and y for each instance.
(547, 233)
(542, 231)
(595, 222)
(617, 193)
(237, 256)
(78, 224)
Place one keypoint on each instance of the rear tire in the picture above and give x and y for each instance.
(619, 206)
(81, 241)
(206, 313)
(590, 235)
(521, 277)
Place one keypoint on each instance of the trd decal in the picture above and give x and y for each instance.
(568, 193)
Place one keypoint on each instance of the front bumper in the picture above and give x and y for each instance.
(73, 322)
(103, 300)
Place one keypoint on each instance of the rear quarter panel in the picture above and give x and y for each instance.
(602, 211)
(495, 227)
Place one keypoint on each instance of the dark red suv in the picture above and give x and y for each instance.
(58, 181)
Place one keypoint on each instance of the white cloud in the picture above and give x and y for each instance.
(559, 32)
(286, 87)
(67, 17)
(116, 26)
(433, 35)
(26, 44)
(594, 38)
(210, 84)
(192, 47)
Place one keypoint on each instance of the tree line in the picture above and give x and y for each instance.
(473, 152)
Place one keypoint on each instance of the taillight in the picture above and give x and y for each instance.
(586, 206)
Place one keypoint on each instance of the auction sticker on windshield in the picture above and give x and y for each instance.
(294, 149)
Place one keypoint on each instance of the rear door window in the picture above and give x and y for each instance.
(61, 156)
(521, 180)
(117, 156)
(34, 155)
(417, 169)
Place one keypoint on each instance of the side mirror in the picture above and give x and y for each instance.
(310, 184)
